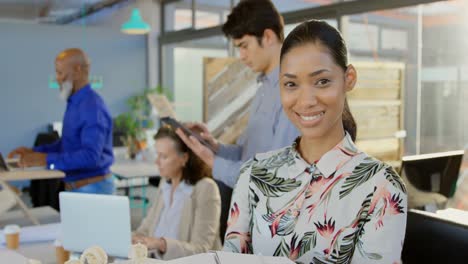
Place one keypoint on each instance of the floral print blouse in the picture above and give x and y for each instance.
(345, 208)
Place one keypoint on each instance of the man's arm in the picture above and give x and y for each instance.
(230, 152)
(53, 147)
(87, 157)
(93, 136)
(226, 170)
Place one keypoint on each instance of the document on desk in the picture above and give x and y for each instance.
(205, 258)
(234, 258)
(10, 256)
(219, 257)
(33, 234)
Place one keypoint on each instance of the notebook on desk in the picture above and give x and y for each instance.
(13, 165)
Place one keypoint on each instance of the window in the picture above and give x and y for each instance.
(183, 73)
(294, 5)
(392, 35)
(211, 13)
(178, 15)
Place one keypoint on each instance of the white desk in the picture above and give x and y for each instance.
(30, 175)
(131, 171)
(44, 252)
(45, 215)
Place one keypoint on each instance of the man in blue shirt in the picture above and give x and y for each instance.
(256, 28)
(84, 152)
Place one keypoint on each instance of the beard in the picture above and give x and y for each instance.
(66, 90)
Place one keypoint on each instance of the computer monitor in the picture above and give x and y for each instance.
(95, 220)
(431, 238)
(435, 172)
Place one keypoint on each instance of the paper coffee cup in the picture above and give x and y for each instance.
(12, 233)
(61, 254)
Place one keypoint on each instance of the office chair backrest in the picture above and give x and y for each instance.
(226, 193)
(45, 192)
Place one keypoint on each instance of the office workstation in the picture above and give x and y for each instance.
(269, 131)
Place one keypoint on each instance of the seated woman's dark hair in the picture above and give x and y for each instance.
(195, 169)
(320, 32)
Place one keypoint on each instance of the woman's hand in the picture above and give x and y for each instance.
(137, 239)
(151, 243)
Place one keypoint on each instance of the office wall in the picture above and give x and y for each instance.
(27, 53)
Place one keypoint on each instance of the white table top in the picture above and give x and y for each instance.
(45, 215)
(11, 256)
(43, 251)
(30, 175)
(134, 169)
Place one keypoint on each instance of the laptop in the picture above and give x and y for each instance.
(95, 220)
(13, 165)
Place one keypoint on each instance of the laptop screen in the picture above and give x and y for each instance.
(95, 219)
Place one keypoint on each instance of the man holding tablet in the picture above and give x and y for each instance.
(256, 28)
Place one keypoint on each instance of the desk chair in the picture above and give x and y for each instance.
(226, 193)
(8, 193)
(45, 192)
(7, 199)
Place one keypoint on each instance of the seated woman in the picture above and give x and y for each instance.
(184, 219)
(321, 200)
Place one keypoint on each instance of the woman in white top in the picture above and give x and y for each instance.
(320, 200)
(184, 219)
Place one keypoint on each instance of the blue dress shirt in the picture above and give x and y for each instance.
(85, 149)
(268, 129)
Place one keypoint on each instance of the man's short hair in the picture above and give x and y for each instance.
(252, 17)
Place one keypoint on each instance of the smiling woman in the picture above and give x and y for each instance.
(315, 77)
(321, 200)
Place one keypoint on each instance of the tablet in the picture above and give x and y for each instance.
(175, 124)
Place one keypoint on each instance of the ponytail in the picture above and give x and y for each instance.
(349, 123)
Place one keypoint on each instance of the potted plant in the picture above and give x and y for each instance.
(135, 122)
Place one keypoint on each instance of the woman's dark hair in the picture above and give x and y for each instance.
(195, 169)
(252, 17)
(320, 32)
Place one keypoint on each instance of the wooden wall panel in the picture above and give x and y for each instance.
(377, 105)
(228, 89)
